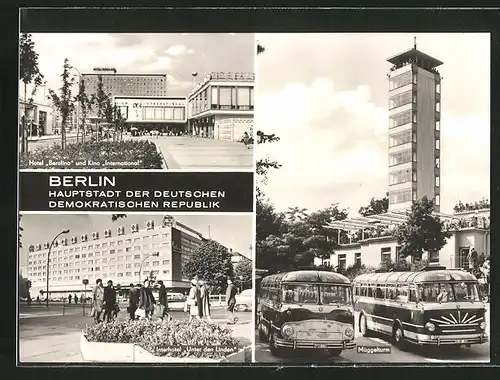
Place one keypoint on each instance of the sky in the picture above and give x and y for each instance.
(177, 55)
(233, 231)
(326, 97)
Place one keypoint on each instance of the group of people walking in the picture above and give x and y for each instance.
(104, 300)
(198, 301)
(143, 305)
(141, 302)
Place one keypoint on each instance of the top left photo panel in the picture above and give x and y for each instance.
(168, 101)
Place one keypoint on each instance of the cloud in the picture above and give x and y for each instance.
(178, 50)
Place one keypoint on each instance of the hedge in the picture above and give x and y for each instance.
(129, 154)
(158, 336)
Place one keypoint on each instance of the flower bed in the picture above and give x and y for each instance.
(130, 154)
(167, 339)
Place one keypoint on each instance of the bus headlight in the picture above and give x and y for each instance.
(287, 331)
(482, 325)
(430, 326)
(349, 332)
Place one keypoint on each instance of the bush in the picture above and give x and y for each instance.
(134, 155)
(355, 270)
(157, 336)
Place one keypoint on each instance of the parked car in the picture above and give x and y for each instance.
(244, 300)
(176, 297)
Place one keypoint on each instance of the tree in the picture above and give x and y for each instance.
(119, 121)
(376, 207)
(355, 270)
(402, 266)
(109, 115)
(28, 73)
(64, 102)
(210, 262)
(85, 106)
(243, 273)
(24, 286)
(101, 100)
(422, 231)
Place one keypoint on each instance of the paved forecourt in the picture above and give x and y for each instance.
(52, 337)
(183, 152)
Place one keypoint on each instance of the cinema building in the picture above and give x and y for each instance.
(221, 107)
(165, 114)
(414, 172)
(124, 255)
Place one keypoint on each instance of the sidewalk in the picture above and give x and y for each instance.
(203, 153)
(50, 137)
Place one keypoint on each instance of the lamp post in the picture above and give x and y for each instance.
(48, 261)
(156, 254)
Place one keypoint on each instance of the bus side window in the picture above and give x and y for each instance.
(378, 292)
(369, 291)
(413, 294)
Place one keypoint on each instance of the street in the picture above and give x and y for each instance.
(414, 354)
(45, 335)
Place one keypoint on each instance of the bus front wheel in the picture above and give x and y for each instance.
(398, 336)
(363, 326)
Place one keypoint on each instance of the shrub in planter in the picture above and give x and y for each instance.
(159, 337)
(143, 152)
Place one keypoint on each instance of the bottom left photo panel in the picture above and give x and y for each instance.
(135, 288)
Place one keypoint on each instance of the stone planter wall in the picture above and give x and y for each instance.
(130, 353)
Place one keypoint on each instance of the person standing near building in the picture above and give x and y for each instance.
(97, 300)
(76, 299)
(109, 301)
(69, 299)
(133, 300)
(146, 299)
(163, 301)
(191, 301)
(231, 300)
(205, 300)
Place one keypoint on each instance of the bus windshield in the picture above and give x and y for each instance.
(335, 294)
(313, 294)
(298, 293)
(448, 292)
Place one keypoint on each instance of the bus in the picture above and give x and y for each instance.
(435, 306)
(307, 309)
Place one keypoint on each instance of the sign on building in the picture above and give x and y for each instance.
(152, 109)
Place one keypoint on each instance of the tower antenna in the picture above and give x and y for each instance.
(415, 43)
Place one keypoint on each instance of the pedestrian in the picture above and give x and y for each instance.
(109, 301)
(76, 299)
(198, 299)
(97, 301)
(205, 300)
(231, 300)
(69, 299)
(133, 300)
(163, 301)
(38, 300)
(191, 301)
(146, 300)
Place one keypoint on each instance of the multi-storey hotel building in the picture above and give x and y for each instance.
(222, 106)
(123, 255)
(414, 123)
(118, 84)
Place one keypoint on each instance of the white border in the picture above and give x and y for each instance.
(254, 232)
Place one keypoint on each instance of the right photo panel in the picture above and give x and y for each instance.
(373, 212)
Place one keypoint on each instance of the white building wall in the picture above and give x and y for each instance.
(232, 128)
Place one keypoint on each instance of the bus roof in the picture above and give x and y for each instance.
(420, 276)
(314, 276)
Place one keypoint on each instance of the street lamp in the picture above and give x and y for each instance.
(48, 261)
(156, 254)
